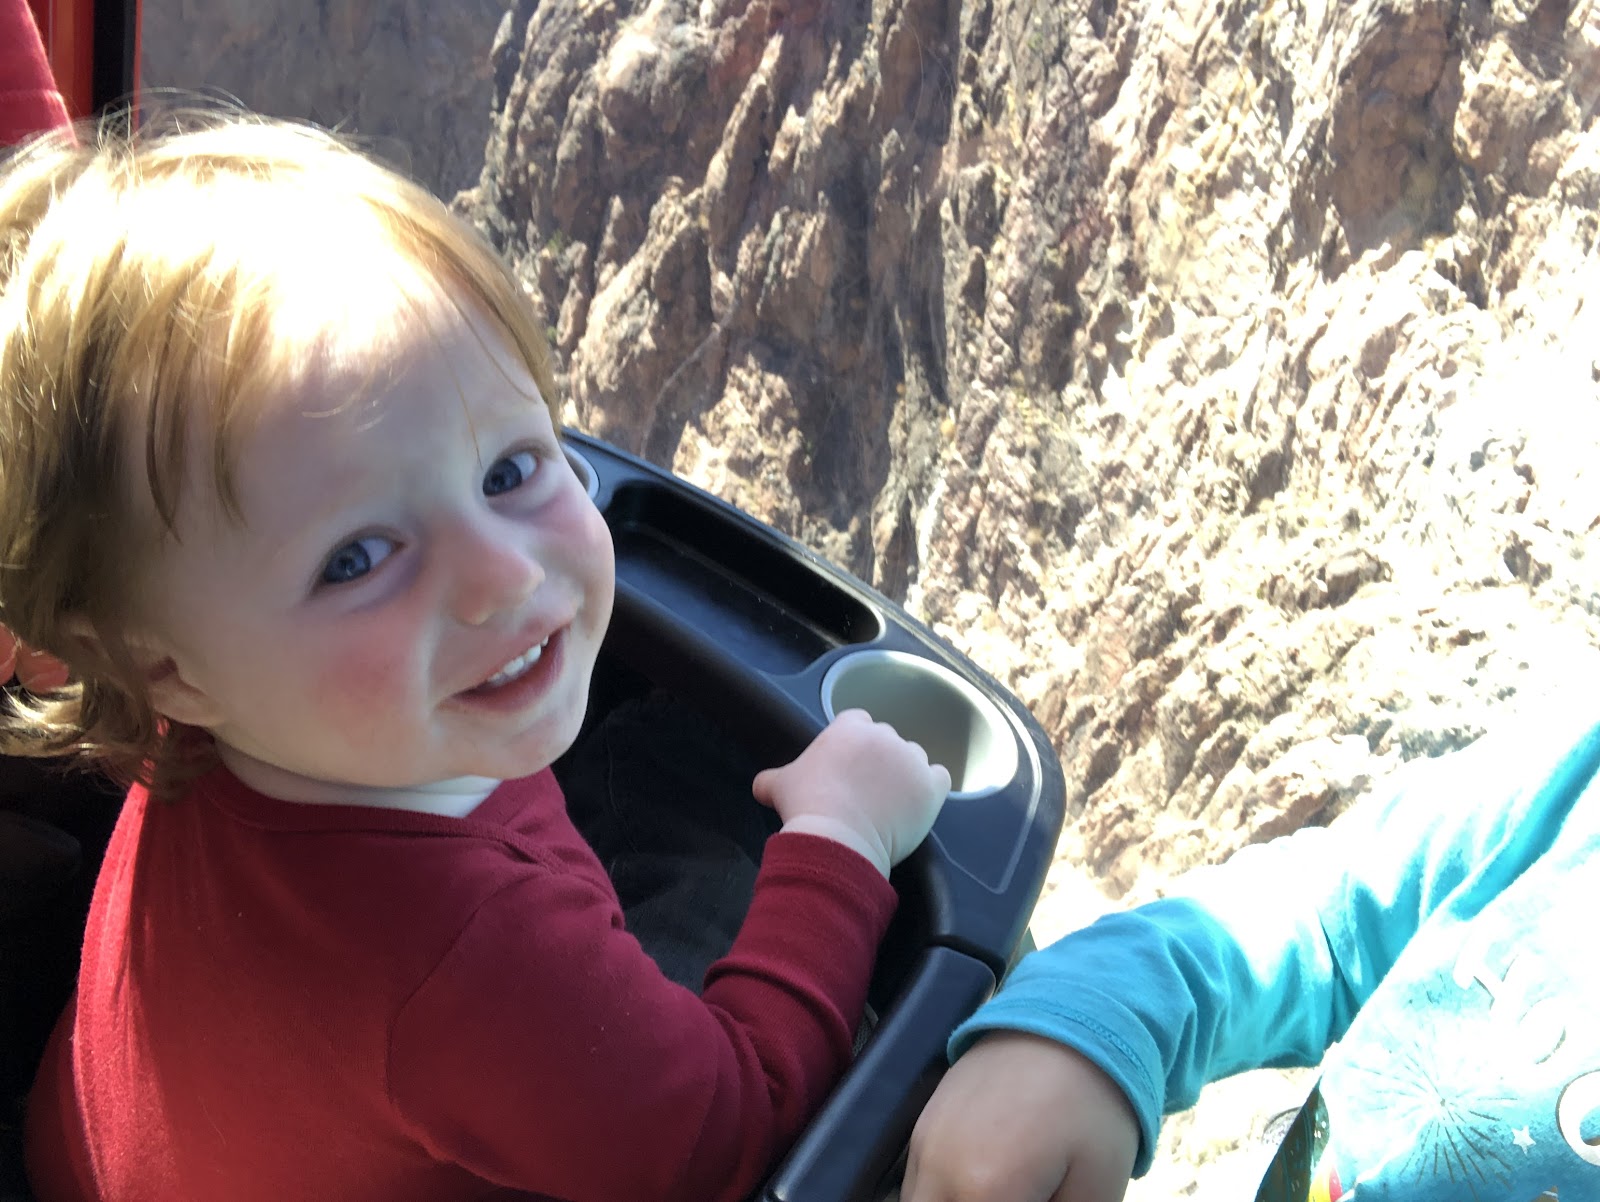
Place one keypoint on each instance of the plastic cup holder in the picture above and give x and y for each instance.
(584, 470)
(928, 704)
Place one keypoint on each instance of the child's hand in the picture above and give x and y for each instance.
(1022, 1119)
(36, 671)
(860, 784)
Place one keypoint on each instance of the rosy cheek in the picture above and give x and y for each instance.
(364, 684)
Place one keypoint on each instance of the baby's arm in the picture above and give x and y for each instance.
(1023, 1119)
(546, 1022)
(1261, 961)
(859, 783)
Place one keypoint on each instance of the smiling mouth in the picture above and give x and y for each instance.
(517, 667)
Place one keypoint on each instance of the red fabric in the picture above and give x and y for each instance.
(296, 1001)
(29, 101)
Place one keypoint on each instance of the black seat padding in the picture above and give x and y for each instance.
(54, 825)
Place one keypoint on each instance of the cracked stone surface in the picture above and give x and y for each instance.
(411, 78)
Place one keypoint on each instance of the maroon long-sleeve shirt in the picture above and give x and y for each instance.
(284, 1001)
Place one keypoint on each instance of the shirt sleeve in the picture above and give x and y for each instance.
(1263, 961)
(547, 1053)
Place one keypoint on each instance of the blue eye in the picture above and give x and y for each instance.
(508, 472)
(354, 560)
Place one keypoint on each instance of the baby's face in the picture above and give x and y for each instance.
(420, 586)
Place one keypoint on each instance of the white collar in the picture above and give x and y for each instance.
(454, 798)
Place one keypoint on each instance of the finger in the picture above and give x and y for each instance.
(913, 1188)
(908, 1186)
(762, 787)
(1092, 1180)
(941, 777)
(914, 749)
(1100, 1175)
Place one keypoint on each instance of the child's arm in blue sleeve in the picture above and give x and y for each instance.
(1265, 960)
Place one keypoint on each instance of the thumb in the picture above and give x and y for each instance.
(908, 1185)
(764, 787)
(913, 1188)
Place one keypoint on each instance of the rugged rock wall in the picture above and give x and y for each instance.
(1220, 373)
(410, 76)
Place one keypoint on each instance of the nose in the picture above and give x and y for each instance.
(492, 570)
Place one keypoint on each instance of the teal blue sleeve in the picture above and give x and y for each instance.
(1264, 960)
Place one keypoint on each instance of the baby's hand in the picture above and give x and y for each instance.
(860, 784)
(1022, 1119)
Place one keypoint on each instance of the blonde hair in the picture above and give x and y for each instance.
(142, 292)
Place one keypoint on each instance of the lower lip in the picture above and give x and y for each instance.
(525, 689)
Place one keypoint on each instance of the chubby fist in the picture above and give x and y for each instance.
(860, 784)
(1020, 1118)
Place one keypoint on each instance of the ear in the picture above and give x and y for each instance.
(172, 695)
(176, 698)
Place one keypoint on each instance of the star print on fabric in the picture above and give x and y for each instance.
(1523, 1138)
(1446, 1115)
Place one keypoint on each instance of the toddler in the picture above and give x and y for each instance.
(281, 482)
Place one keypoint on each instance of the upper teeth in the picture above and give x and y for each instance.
(518, 666)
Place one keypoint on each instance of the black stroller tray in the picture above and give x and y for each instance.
(774, 640)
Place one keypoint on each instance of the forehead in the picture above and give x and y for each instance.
(391, 377)
(431, 359)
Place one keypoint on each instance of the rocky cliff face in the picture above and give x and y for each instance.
(410, 77)
(1221, 375)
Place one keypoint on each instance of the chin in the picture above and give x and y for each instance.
(538, 756)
